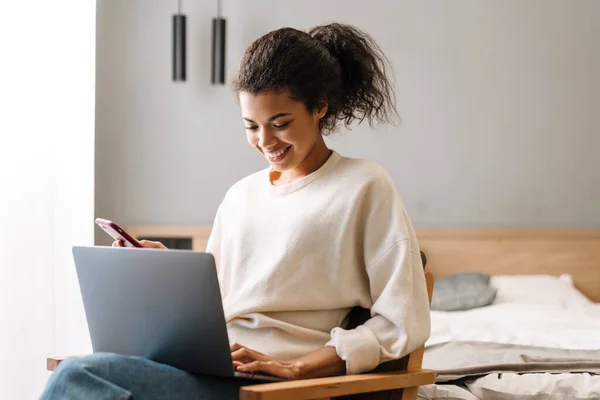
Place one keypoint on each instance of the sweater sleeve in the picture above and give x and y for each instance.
(400, 319)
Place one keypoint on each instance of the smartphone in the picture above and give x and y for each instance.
(117, 233)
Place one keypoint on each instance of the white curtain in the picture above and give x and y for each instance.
(47, 89)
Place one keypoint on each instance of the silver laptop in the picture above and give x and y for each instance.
(164, 305)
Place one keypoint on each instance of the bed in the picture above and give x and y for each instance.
(539, 338)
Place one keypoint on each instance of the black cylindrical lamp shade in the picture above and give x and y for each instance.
(179, 47)
(218, 50)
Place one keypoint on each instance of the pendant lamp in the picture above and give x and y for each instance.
(179, 33)
(218, 47)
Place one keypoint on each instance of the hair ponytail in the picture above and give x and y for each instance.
(335, 63)
(366, 91)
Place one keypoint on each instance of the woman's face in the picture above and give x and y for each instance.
(281, 128)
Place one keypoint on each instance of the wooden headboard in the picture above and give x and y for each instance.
(495, 252)
(504, 252)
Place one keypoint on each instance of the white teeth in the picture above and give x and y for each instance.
(277, 153)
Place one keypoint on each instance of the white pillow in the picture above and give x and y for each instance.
(538, 289)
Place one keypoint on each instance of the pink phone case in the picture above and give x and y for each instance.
(117, 233)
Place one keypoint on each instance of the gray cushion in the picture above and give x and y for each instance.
(461, 292)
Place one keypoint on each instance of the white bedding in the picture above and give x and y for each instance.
(446, 392)
(576, 328)
(560, 324)
(518, 386)
(536, 386)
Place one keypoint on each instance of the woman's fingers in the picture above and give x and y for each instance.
(252, 361)
(149, 244)
(240, 355)
(281, 370)
(235, 346)
(245, 355)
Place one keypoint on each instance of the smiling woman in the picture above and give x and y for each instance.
(317, 232)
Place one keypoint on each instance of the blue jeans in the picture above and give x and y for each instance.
(107, 376)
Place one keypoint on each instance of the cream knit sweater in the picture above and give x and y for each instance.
(293, 260)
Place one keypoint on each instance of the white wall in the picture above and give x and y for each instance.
(47, 185)
(499, 100)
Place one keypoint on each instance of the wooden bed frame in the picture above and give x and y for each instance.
(506, 252)
(495, 252)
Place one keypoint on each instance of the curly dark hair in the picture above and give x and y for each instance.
(335, 63)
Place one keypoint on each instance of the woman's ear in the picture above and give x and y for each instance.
(322, 108)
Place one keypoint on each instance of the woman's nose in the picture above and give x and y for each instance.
(265, 138)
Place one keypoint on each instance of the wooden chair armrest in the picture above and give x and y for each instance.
(322, 387)
(337, 385)
(52, 362)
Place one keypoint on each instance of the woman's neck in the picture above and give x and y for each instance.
(312, 162)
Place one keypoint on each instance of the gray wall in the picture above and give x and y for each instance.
(500, 102)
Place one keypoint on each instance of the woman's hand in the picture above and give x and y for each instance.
(251, 361)
(147, 244)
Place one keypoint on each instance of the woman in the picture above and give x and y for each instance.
(299, 244)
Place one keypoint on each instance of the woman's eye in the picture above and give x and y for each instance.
(252, 128)
(281, 126)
